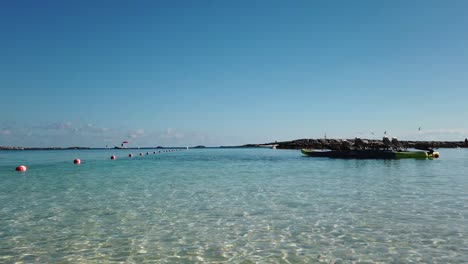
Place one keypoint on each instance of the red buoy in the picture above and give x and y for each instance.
(130, 155)
(77, 161)
(21, 168)
(112, 157)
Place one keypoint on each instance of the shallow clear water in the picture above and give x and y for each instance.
(231, 205)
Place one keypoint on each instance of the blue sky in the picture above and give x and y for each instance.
(95, 73)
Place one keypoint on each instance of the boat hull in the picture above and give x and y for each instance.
(370, 154)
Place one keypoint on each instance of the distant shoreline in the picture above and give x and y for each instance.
(39, 148)
(76, 148)
(293, 144)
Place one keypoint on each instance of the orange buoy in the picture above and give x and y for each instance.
(21, 168)
(77, 161)
(130, 155)
(112, 157)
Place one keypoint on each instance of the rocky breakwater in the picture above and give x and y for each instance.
(368, 143)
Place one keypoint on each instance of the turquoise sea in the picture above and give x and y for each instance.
(231, 205)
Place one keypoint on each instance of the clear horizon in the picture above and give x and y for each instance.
(178, 73)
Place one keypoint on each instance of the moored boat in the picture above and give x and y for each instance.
(370, 154)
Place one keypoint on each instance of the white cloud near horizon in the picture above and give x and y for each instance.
(74, 127)
(136, 134)
(89, 134)
(172, 133)
(6, 128)
(439, 135)
(58, 133)
(5, 132)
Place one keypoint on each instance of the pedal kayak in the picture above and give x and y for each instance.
(370, 154)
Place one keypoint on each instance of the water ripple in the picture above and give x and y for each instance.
(237, 206)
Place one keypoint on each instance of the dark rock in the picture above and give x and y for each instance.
(365, 143)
